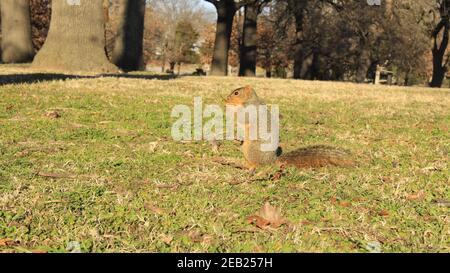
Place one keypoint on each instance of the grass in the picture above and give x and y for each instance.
(108, 175)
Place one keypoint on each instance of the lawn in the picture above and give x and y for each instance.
(91, 161)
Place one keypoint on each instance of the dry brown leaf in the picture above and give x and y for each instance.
(6, 242)
(416, 196)
(267, 216)
(167, 239)
(39, 251)
(279, 174)
(383, 213)
(344, 204)
(154, 209)
(258, 221)
(52, 114)
(153, 146)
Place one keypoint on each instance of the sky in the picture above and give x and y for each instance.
(207, 6)
(210, 10)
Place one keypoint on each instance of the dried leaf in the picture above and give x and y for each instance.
(167, 239)
(383, 213)
(52, 114)
(267, 216)
(153, 146)
(417, 196)
(39, 251)
(7, 242)
(258, 221)
(344, 204)
(154, 209)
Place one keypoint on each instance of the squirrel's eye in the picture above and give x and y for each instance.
(236, 93)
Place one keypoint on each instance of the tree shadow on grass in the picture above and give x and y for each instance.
(43, 77)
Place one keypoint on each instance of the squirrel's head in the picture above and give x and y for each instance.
(242, 96)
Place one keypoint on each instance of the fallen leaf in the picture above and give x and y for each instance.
(306, 222)
(167, 239)
(383, 213)
(7, 242)
(258, 221)
(279, 174)
(267, 216)
(344, 204)
(52, 114)
(39, 251)
(153, 146)
(416, 196)
(154, 209)
(196, 236)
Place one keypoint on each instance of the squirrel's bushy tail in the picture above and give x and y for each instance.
(317, 157)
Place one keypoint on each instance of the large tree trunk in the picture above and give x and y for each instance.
(225, 14)
(76, 41)
(363, 65)
(249, 41)
(439, 66)
(128, 47)
(298, 8)
(17, 44)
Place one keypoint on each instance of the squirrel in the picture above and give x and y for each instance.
(309, 157)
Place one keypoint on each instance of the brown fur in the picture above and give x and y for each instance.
(308, 157)
(317, 157)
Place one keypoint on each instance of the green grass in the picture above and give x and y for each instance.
(127, 186)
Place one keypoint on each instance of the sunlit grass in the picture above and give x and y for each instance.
(124, 185)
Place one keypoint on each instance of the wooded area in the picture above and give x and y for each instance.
(337, 40)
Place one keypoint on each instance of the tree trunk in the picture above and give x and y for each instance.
(128, 47)
(172, 67)
(75, 41)
(17, 44)
(268, 64)
(298, 7)
(363, 65)
(439, 66)
(249, 42)
(225, 14)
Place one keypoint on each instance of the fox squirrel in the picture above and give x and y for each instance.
(308, 157)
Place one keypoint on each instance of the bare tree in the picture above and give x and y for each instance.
(248, 52)
(226, 9)
(170, 13)
(298, 8)
(439, 65)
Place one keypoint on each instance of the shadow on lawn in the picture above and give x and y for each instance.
(43, 77)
